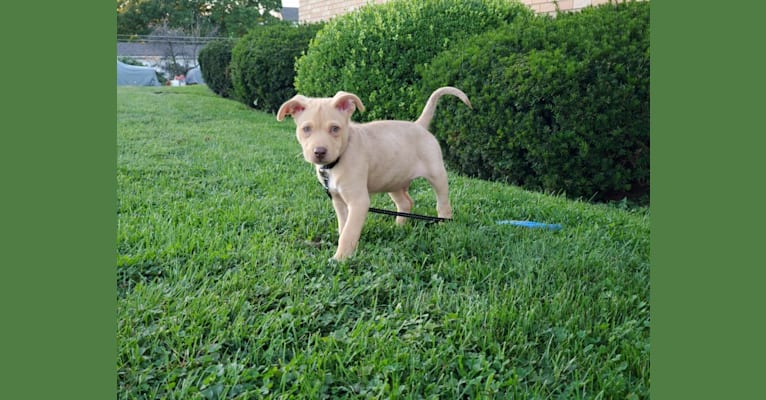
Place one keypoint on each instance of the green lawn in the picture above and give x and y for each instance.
(225, 289)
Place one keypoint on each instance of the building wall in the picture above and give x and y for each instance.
(549, 6)
(323, 10)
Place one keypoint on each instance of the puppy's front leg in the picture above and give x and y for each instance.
(349, 236)
(341, 211)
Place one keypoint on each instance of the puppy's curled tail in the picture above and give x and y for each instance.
(428, 112)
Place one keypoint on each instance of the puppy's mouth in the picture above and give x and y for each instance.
(324, 162)
(321, 156)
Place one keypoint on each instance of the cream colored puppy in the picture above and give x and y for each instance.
(354, 160)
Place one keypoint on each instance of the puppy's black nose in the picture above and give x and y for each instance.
(320, 152)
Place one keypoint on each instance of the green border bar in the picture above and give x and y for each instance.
(57, 157)
(707, 271)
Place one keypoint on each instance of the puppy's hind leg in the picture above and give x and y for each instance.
(403, 203)
(438, 181)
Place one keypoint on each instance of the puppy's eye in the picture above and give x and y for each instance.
(334, 129)
(307, 130)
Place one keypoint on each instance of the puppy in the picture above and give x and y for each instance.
(354, 160)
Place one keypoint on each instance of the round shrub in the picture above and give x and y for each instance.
(263, 63)
(378, 51)
(214, 60)
(560, 104)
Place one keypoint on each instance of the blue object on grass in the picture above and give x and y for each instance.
(531, 224)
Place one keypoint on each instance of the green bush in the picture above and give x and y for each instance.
(130, 61)
(377, 51)
(214, 61)
(263, 63)
(560, 104)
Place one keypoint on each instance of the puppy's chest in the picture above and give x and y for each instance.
(327, 180)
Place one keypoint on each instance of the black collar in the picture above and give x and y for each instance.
(324, 171)
(330, 165)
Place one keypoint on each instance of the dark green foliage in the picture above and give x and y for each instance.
(263, 63)
(130, 61)
(225, 18)
(214, 61)
(377, 51)
(559, 104)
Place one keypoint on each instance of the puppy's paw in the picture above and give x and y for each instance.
(340, 257)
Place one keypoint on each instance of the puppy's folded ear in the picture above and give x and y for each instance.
(293, 107)
(347, 102)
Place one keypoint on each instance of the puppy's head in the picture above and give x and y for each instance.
(321, 124)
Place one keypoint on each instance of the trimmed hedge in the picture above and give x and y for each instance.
(214, 61)
(560, 104)
(263, 63)
(378, 51)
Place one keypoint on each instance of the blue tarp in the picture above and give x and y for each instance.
(194, 76)
(137, 76)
